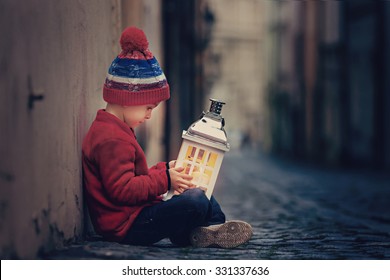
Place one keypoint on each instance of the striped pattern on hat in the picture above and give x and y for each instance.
(135, 76)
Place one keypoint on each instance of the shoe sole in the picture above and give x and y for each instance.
(228, 235)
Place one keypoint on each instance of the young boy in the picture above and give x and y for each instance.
(123, 195)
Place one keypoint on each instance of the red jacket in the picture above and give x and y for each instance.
(117, 180)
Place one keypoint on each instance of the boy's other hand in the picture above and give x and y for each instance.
(180, 182)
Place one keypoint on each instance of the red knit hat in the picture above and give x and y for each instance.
(135, 77)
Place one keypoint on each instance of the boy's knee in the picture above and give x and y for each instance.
(197, 200)
(197, 196)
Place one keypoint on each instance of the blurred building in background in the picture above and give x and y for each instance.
(214, 49)
(234, 66)
(327, 91)
(306, 79)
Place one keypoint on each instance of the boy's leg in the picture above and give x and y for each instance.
(217, 216)
(174, 218)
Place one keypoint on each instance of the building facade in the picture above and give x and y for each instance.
(326, 81)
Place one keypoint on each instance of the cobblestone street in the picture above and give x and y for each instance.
(297, 212)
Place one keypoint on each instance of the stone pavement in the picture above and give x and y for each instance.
(297, 212)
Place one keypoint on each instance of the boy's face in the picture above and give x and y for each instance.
(135, 115)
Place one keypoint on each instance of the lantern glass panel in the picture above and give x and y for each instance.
(190, 153)
(200, 164)
(187, 168)
(212, 159)
(201, 156)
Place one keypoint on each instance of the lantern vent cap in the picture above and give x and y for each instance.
(209, 128)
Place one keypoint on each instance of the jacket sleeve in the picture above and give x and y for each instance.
(162, 166)
(158, 166)
(117, 171)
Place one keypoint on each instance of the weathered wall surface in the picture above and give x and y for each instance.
(60, 50)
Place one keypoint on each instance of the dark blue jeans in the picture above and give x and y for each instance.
(175, 218)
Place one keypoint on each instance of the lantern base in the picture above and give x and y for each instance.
(168, 195)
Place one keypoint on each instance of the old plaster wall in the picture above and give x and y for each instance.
(58, 51)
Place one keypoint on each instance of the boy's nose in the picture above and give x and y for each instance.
(148, 116)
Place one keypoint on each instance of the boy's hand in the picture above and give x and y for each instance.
(179, 181)
(172, 164)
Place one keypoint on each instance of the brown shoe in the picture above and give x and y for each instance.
(228, 235)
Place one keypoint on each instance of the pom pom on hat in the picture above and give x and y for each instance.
(133, 39)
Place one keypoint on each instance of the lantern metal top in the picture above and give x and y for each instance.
(209, 129)
(216, 106)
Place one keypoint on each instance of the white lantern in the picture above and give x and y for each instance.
(203, 148)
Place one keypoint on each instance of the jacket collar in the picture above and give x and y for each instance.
(104, 116)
